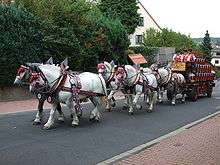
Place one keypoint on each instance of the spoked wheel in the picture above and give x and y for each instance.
(193, 95)
(169, 95)
(209, 92)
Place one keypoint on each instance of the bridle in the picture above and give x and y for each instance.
(112, 71)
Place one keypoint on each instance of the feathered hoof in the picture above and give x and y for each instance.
(36, 123)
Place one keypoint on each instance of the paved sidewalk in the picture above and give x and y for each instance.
(199, 145)
(31, 104)
(20, 106)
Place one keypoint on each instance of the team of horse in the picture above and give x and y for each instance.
(57, 84)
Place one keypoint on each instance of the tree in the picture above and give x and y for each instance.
(167, 38)
(124, 10)
(206, 47)
(78, 30)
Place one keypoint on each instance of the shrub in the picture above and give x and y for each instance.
(20, 41)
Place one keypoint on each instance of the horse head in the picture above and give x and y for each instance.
(107, 70)
(24, 73)
(120, 74)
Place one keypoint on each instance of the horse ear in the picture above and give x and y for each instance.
(112, 63)
(50, 61)
(64, 64)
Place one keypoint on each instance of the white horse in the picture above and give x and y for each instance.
(23, 74)
(172, 82)
(164, 76)
(176, 86)
(69, 89)
(107, 71)
(133, 81)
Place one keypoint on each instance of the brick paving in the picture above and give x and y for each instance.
(30, 104)
(199, 145)
(20, 106)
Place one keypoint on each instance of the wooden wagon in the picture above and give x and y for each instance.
(197, 72)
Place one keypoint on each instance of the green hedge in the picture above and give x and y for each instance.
(20, 41)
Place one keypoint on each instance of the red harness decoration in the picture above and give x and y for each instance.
(33, 77)
(22, 69)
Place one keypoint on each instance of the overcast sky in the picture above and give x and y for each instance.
(192, 17)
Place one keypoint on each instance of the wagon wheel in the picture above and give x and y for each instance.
(209, 91)
(193, 95)
(169, 95)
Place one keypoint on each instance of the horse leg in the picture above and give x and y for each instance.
(95, 114)
(138, 94)
(153, 99)
(130, 104)
(75, 119)
(173, 101)
(183, 98)
(138, 89)
(110, 97)
(50, 121)
(113, 104)
(160, 95)
(61, 115)
(39, 114)
(126, 102)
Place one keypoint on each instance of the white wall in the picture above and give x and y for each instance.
(148, 23)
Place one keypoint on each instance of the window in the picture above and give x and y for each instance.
(141, 21)
(138, 39)
(216, 61)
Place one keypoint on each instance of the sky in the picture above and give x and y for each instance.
(190, 17)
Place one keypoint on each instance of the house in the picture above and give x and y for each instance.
(146, 22)
(216, 56)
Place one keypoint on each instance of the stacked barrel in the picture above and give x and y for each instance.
(202, 72)
(197, 69)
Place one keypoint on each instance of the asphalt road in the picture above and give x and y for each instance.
(21, 143)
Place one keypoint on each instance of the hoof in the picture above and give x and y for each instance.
(71, 116)
(36, 123)
(160, 101)
(173, 104)
(113, 104)
(108, 109)
(79, 116)
(46, 127)
(125, 107)
(149, 110)
(92, 119)
(131, 113)
(61, 120)
(75, 125)
(139, 107)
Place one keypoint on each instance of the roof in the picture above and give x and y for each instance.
(137, 58)
(149, 15)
